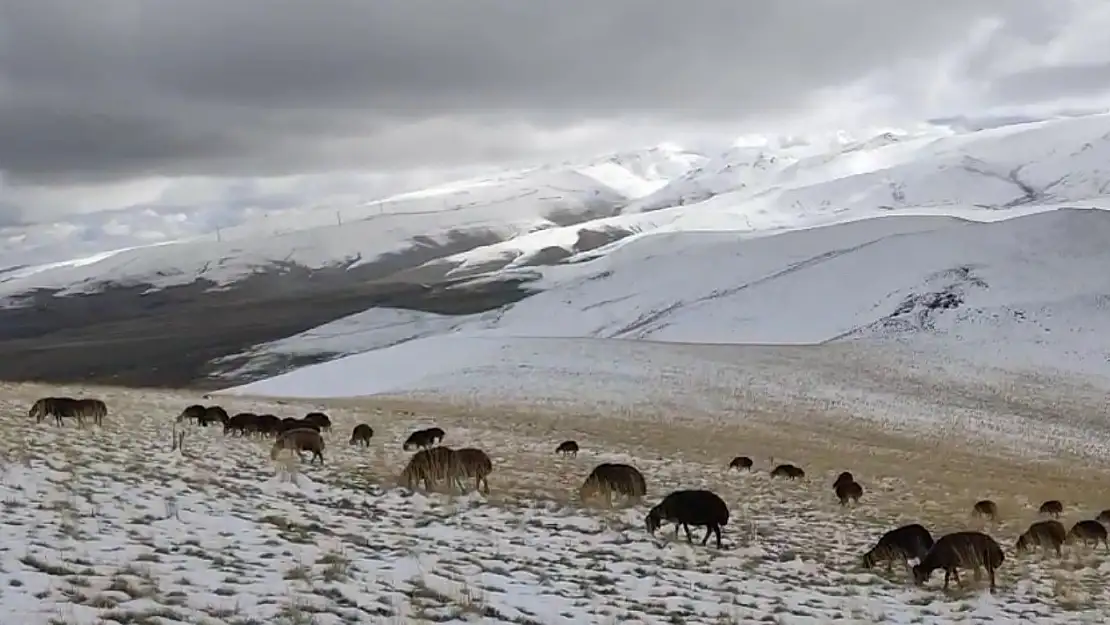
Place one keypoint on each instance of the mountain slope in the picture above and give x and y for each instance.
(1022, 294)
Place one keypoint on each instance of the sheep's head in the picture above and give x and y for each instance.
(653, 520)
(920, 574)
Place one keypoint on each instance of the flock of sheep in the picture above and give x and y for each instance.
(435, 464)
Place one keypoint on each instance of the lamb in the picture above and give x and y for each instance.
(567, 448)
(435, 464)
(843, 478)
(362, 434)
(1052, 507)
(1090, 532)
(700, 508)
(789, 471)
(985, 508)
(1044, 534)
(318, 419)
(475, 463)
(741, 462)
(906, 543)
(960, 550)
(846, 491)
(298, 440)
(607, 478)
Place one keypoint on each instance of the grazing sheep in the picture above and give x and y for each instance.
(420, 439)
(567, 448)
(741, 462)
(431, 465)
(960, 550)
(1090, 532)
(94, 409)
(1043, 534)
(243, 423)
(362, 434)
(319, 419)
(475, 463)
(788, 471)
(607, 478)
(213, 415)
(846, 491)
(700, 508)
(191, 413)
(1052, 507)
(299, 440)
(909, 542)
(985, 508)
(1103, 517)
(57, 407)
(843, 478)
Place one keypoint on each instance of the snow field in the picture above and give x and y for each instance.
(109, 526)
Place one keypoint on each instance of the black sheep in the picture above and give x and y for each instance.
(1088, 532)
(700, 508)
(1053, 507)
(741, 462)
(567, 448)
(846, 491)
(908, 542)
(1044, 534)
(960, 550)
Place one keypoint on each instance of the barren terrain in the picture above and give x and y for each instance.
(108, 525)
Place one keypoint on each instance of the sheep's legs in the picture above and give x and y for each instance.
(689, 536)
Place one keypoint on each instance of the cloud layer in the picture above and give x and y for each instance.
(98, 95)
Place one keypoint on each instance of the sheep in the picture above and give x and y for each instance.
(94, 409)
(475, 463)
(435, 434)
(319, 419)
(191, 413)
(268, 424)
(788, 471)
(741, 462)
(57, 407)
(1052, 507)
(848, 491)
(212, 414)
(607, 478)
(1044, 534)
(362, 434)
(908, 542)
(431, 465)
(1090, 532)
(700, 508)
(1103, 517)
(298, 440)
(289, 423)
(960, 550)
(567, 448)
(243, 423)
(420, 439)
(985, 508)
(843, 478)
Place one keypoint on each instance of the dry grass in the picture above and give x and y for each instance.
(534, 499)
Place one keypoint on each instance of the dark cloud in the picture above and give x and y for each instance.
(115, 89)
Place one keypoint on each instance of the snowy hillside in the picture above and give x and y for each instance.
(483, 210)
(775, 184)
(1029, 293)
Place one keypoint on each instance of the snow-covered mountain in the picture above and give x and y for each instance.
(483, 210)
(1029, 294)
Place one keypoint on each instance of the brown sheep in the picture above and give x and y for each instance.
(788, 471)
(846, 491)
(741, 462)
(607, 478)
(567, 448)
(1090, 532)
(431, 466)
(909, 542)
(475, 463)
(299, 440)
(960, 550)
(1052, 507)
(212, 415)
(1044, 534)
(985, 508)
(362, 434)
(94, 409)
(700, 508)
(844, 477)
(57, 407)
(318, 419)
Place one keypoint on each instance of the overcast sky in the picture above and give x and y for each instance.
(109, 103)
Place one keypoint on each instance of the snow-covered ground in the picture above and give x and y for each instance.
(107, 525)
